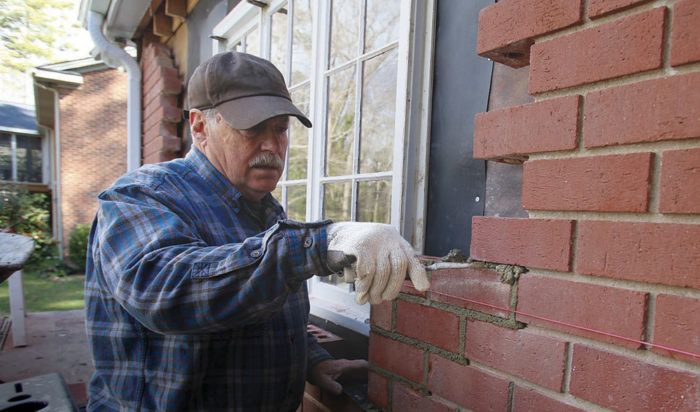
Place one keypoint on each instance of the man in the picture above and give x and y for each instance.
(195, 285)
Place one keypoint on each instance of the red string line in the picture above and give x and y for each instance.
(570, 325)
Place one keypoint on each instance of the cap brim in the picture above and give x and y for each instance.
(246, 112)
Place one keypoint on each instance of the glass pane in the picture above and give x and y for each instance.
(252, 42)
(298, 136)
(378, 112)
(301, 41)
(344, 31)
(341, 118)
(336, 201)
(28, 159)
(381, 23)
(296, 202)
(278, 42)
(237, 46)
(374, 201)
(5, 156)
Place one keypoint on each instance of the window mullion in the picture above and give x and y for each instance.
(13, 151)
(318, 103)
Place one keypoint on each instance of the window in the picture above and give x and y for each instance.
(21, 158)
(348, 65)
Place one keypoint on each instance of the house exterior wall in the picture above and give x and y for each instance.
(607, 314)
(162, 114)
(93, 143)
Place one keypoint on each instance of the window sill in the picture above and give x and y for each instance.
(355, 318)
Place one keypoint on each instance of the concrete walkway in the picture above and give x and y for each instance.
(56, 342)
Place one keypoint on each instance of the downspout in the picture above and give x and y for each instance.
(113, 53)
(58, 215)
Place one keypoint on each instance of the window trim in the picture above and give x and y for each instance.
(415, 50)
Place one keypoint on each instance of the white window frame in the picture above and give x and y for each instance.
(411, 128)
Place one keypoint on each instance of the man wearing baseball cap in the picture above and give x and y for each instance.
(195, 286)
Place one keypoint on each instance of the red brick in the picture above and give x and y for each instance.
(507, 28)
(622, 383)
(168, 144)
(396, 357)
(649, 111)
(467, 386)
(406, 399)
(408, 289)
(584, 305)
(685, 46)
(528, 400)
(539, 243)
(167, 102)
(599, 8)
(533, 357)
(545, 126)
(677, 325)
(380, 315)
(680, 181)
(160, 129)
(427, 324)
(460, 286)
(378, 389)
(646, 252)
(617, 183)
(158, 157)
(625, 46)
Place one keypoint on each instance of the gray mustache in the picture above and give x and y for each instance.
(267, 159)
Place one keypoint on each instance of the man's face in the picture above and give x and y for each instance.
(253, 159)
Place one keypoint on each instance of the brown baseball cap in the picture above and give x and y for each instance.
(245, 89)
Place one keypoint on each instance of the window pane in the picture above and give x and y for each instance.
(301, 41)
(336, 201)
(344, 31)
(278, 42)
(378, 112)
(252, 42)
(28, 159)
(340, 118)
(237, 46)
(298, 136)
(5, 156)
(381, 23)
(374, 201)
(296, 202)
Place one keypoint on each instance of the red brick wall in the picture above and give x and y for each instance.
(93, 143)
(611, 181)
(161, 112)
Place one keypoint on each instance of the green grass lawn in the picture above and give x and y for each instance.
(46, 293)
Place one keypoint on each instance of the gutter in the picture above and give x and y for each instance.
(56, 195)
(115, 56)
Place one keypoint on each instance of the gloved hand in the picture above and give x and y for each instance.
(381, 259)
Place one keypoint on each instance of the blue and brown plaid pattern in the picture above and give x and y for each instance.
(194, 301)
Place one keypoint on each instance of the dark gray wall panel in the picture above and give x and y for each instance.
(460, 90)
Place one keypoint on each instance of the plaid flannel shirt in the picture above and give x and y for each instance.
(194, 302)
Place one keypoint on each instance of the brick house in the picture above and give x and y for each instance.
(558, 141)
(81, 106)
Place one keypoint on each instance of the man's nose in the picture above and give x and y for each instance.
(271, 141)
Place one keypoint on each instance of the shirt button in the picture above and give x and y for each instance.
(255, 253)
(308, 241)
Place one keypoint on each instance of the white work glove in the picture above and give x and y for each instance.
(381, 260)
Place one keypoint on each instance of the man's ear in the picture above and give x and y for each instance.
(197, 126)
